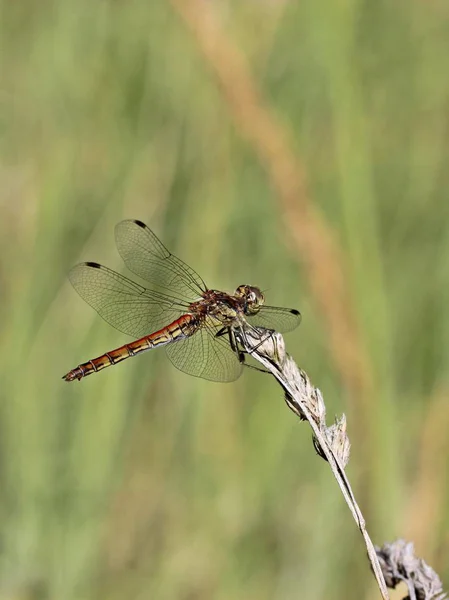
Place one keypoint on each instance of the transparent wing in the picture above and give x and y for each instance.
(204, 355)
(277, 318)
(146, 256)
(124, 304)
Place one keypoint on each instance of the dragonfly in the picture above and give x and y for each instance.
(198, 326)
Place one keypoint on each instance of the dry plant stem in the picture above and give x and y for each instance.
(307, 402)
(256, 121)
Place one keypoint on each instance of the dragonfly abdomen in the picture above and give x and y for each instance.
(177, 330)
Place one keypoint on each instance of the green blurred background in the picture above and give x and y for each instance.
(143, 482)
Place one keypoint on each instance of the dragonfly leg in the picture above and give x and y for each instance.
(241, 354)
(245, 364)
(263, 340)
(242, 333)
(221, 332)
(232, 342)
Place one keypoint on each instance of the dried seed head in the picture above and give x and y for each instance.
(399, 563)
(337, 439)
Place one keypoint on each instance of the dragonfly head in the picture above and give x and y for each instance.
(252, 297)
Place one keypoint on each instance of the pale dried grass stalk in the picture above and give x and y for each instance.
(306, 401)
(392, 563)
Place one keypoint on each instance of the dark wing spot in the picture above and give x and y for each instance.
(295, 312)
(140, 224)
(94, 265)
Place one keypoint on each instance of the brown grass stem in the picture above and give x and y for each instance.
(322, 256)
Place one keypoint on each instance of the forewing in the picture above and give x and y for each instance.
(204, 355)
(124, 304)
(146, 256)
(277, 318)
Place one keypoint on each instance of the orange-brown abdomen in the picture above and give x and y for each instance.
(178, 330)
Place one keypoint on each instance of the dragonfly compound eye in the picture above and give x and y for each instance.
(254, 299)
